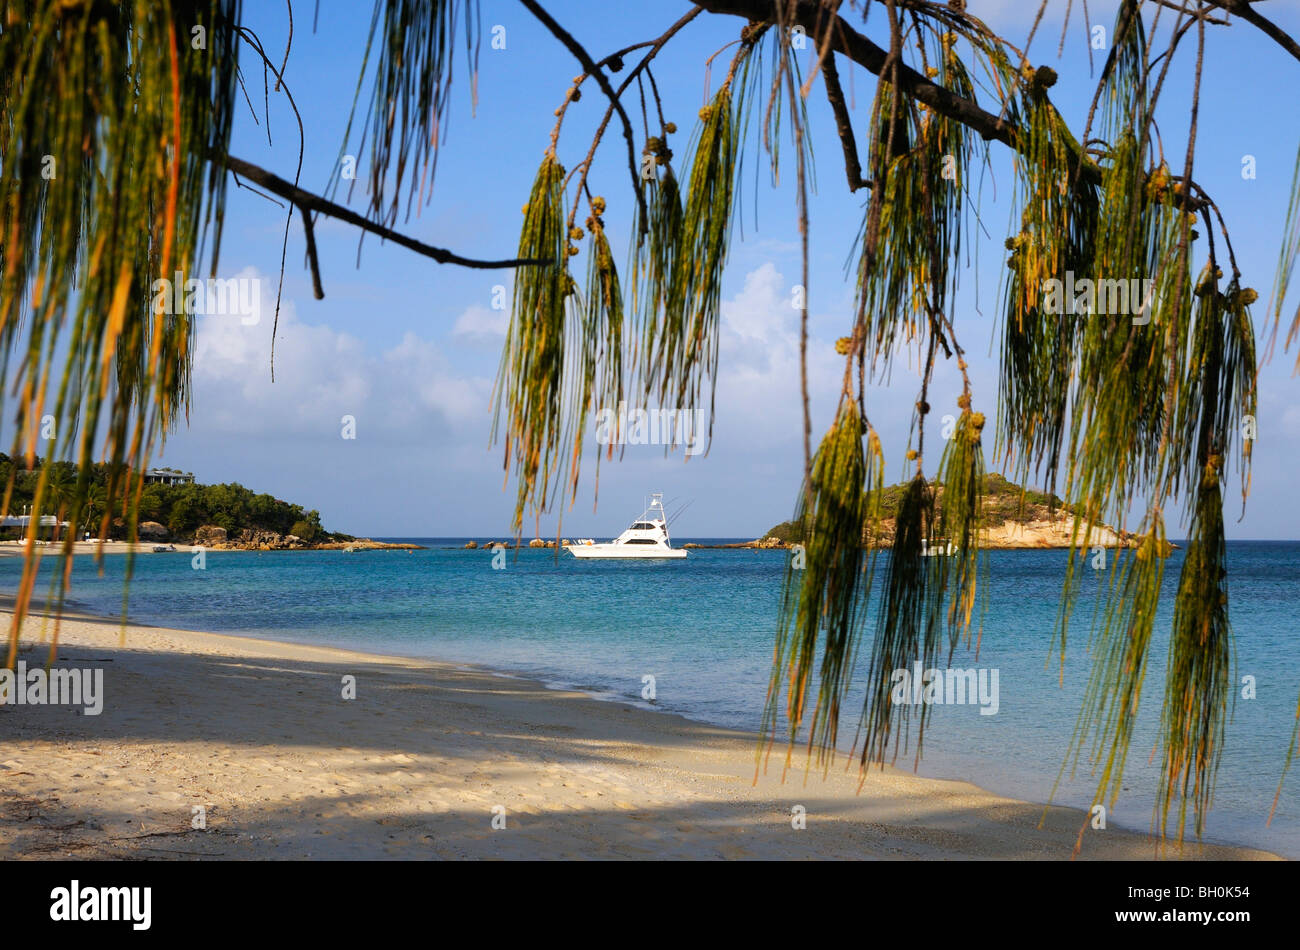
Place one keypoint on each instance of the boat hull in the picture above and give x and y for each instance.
(625, 551)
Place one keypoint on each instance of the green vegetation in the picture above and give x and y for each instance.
(115, 147)
(1003, 501)
(181, 509)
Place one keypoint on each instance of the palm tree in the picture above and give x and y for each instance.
(95, 506)
(60, 488)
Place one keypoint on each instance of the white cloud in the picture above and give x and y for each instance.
(1291, 421)
(478, 323)
(417, 395)
(423, 417)
(758, 398)
(322, 374)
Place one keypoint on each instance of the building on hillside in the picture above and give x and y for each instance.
(167, 476)
(16, 527)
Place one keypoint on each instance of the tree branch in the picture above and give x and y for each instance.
(844, 39)
(655, 47)
(843, 124)
(306, 202)
(309, 233)
(1243, 9)
(810, 14)
(589, 65)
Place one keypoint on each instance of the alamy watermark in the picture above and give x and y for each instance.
(78, 902)
(235, 296)
(42, 687)
(671, 427)
(1090, 297)
(936, 687)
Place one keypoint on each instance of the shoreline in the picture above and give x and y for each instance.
(79, 548)
(82, 548)
(430, 747)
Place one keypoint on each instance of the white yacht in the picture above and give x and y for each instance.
(647, 538)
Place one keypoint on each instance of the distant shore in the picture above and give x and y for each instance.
(1009, 536)
(16, 548)
(256, 737)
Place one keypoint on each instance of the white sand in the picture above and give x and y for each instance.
(83, 548)
(257, 733)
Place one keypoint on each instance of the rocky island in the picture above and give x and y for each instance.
(1014, 517)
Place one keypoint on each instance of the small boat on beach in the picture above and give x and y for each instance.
(647, 538)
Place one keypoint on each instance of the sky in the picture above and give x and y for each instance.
(409, 348)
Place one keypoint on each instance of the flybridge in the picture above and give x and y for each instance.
(647, 538)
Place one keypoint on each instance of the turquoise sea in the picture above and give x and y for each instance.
(703, 628)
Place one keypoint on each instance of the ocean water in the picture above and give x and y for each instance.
(703, 628)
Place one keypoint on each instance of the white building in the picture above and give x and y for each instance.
(21, 522)
(164, 476)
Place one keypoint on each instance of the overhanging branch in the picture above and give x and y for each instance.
(848, 41)
(308, 202)
(843, 124)
(811, 15)
(1243, 9)
(592, 69)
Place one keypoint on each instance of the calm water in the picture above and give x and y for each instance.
(703, 628)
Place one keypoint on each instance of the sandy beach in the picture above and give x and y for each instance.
(258, 735)
(91, 548)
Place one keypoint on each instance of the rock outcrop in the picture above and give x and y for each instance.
(210, 535)
(365, 544)
(260, 539)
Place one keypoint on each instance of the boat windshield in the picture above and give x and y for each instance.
(642, 526)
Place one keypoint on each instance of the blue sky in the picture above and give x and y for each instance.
(410, 348)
